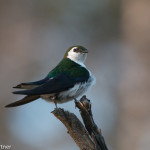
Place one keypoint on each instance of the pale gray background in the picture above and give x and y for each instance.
(34, 35)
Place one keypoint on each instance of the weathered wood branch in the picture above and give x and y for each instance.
(84, 106)
(88, 137)
(75, 129)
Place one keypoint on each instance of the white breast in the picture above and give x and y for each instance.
(78, 90)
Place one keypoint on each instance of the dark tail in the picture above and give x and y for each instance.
(25, 100)
(23, 92)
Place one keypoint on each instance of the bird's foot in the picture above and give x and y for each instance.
(75, 100)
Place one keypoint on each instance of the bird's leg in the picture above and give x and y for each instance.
(55, 104)
(54, 100)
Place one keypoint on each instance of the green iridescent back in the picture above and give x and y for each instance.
(70, 68)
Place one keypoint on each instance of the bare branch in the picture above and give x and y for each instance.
(84, 106)
(75, 129)
(88, 137)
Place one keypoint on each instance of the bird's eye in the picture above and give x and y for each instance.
(75, 49)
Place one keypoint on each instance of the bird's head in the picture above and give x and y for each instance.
(77, 54)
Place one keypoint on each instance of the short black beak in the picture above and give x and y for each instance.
(82, 50)
(85, 52)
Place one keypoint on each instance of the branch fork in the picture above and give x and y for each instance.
(87, 136)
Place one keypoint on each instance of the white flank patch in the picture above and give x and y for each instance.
(78, 90)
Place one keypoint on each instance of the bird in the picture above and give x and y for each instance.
(69, 80)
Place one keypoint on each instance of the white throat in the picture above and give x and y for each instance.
(79, 58)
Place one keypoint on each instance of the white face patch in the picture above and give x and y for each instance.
(77, 56)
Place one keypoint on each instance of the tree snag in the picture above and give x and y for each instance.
(88, 137)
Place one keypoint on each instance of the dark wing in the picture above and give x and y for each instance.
(31, 85)
(57, 84)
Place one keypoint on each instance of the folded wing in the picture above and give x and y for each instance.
(31, 85)
(57, 84)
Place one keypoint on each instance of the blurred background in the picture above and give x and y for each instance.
(34, 35)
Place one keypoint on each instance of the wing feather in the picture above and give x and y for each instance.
(57, 84)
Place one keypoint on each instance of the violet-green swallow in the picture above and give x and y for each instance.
(67, 81)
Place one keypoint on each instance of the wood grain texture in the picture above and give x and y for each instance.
(87, 136)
